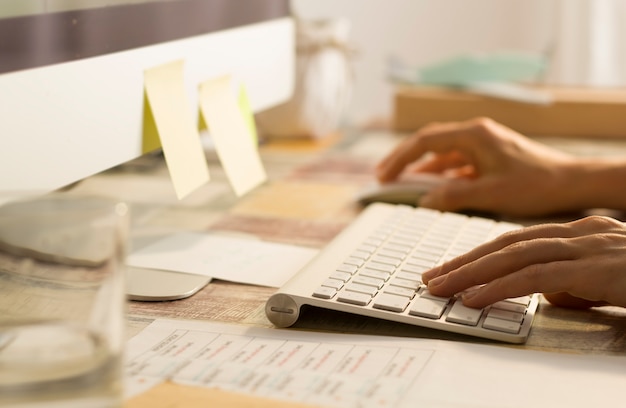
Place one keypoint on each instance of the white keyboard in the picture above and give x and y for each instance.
(374, 267)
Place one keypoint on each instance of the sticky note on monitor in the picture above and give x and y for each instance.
(246, 111)
(170, 110)
(235, 146)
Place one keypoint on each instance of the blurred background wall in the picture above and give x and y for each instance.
(584, 40)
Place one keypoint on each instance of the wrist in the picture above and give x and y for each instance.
(593, 183)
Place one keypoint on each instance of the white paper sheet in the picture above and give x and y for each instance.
(343, 370)
(223, 257)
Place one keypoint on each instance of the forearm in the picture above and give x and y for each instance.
(595, 183)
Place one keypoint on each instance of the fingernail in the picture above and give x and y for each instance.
(426, 276)
(437, 281)
(469, 294)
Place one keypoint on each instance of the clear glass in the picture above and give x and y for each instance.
(62, 301)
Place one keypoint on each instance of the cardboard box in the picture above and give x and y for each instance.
(584, 112)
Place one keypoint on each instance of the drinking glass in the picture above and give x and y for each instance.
(62, 301)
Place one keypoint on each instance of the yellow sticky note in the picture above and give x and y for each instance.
(171, 111)
(150, 140)
(248, 115)
(236, 150)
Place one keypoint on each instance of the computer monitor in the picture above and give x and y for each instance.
(72, 86)
(71, 75)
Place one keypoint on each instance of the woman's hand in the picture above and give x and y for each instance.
(489, 168)
(576, 264)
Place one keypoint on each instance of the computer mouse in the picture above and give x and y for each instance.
(407, 190)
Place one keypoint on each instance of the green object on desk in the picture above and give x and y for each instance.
(498, 75)
(468, 69)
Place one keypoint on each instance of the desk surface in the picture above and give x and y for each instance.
(308, 200)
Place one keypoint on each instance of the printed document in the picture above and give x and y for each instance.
(346, 370)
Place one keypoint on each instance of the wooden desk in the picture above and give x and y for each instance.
(308, 200)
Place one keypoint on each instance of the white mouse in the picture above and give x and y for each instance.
(407, 190)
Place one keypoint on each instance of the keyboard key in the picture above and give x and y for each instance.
(430, 308)
(464, 315)
(405, 249)
(405, 232)
(421, 262)
(342, 276)
(375, 242)
(400, 291)
(366, 280)
(511, 307)
(357, 287)
(364, 255)
(393, 303)
(347, 268)
(522, 300)
(446, 258)
(434, 247)
(354, 261)
(505, 315)
(404, 240)
(506, 326)
(426, 256)
(395, 262)
(426, 294)
(409, 276)
(382, 233)
(381, 267)
(367, 248)
(442, 242)
(406, 283)
(355, 298)
(414, 269)
(333, 283)
(372, 273)
(397, 255)
(324, 292)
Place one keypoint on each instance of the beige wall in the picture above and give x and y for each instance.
(424, 31)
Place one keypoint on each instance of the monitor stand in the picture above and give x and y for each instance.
(153, 285)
